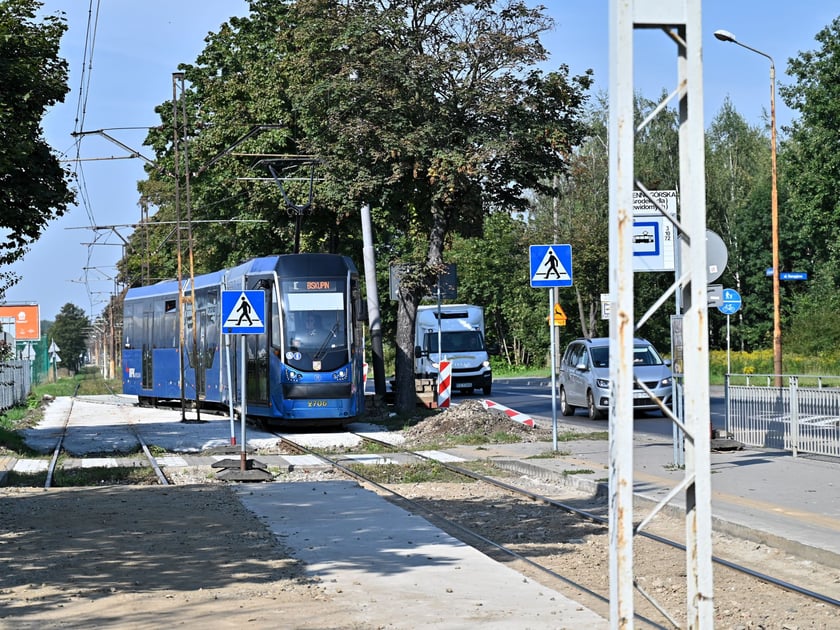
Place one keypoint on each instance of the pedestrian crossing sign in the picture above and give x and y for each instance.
(243, 312)
(551, 265)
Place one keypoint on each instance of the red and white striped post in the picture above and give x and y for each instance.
(444, 383)
(511, 413)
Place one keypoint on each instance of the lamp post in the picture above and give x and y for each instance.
(726, 36)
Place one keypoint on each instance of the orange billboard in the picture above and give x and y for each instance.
(27, 320)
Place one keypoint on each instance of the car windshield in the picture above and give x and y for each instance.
(646, 355)
(601, 357)
(642, 355)
(461, 341)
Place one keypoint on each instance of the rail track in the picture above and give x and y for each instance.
(59, 448)
(558, 541)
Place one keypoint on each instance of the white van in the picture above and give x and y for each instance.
(454, 332)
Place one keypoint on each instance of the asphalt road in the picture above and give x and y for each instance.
(533, 397)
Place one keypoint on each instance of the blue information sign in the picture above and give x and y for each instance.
(551, 265)
(788, 275)
(243, 312)
(731, 302)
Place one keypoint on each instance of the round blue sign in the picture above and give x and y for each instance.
(731, 302)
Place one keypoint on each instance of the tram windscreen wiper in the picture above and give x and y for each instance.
(323, 349)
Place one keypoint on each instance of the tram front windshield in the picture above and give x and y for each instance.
(315, 325)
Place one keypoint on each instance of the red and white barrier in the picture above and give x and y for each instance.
(364, 376)
(512, 414)
(445, 384)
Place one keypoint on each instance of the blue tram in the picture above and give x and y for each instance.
(305, 369)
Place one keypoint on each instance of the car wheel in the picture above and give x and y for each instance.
(594, 412)
(565, 408)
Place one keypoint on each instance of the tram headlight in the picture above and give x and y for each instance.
(292, 375)
(341, 375)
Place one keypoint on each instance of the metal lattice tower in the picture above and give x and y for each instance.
(680, 20)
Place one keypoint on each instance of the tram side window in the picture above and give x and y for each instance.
(168, 331)
(128, 326)
(166, 326)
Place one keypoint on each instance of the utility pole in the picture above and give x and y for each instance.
(680, 20)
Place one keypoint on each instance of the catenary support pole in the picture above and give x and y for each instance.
(375, 323)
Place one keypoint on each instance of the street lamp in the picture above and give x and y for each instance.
(726, 36)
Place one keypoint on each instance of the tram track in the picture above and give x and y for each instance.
(57, 451)
(487, 525)
(562, 541)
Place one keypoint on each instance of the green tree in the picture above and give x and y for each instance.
(70, 332)
(738, 209)
(432, 111)
(811, 169)
(579, 216)
(435, 110)
(493, 272)
(32, 77)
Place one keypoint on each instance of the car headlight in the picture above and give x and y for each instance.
(603, 383)
(665, 382)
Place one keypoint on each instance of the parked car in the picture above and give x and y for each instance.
(585, 377)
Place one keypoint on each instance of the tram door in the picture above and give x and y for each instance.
(258, 350)
(198, 360)
(146, 371)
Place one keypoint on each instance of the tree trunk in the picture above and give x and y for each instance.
(405, 400)
(410, 295)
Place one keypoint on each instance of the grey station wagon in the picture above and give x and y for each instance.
(585, 377)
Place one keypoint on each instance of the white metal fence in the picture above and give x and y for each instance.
(803, 417)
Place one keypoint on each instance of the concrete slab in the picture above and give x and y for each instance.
(172, 461)
(29, 466)
(371, 554)
(441, 456)
(304, 461)
(367, 458)
(112, 424)
(99, 462)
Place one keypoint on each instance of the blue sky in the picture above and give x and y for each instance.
(139, 45)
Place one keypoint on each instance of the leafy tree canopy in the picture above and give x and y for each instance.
(432, 111)
(70, 332)
(813, 153)
(33, 185)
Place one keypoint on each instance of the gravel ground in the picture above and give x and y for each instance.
(192, 555)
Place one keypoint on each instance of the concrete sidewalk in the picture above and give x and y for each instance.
(375, 556)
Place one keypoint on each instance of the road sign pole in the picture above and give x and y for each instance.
(728, 362)
(243, 458)
(551, 302)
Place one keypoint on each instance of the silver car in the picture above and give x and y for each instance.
(585, 377)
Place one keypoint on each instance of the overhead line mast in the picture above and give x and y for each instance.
(679, 20)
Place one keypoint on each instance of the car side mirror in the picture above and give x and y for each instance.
(418, 352)
(582, 367)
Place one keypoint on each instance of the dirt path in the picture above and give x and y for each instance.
(148, 557)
